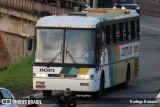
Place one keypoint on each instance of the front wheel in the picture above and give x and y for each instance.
(101, 87)
(47, 93)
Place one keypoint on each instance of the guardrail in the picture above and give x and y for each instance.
(150, 7)
(34, 7)
(5, 59)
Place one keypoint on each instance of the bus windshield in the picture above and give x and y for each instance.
(65, 45)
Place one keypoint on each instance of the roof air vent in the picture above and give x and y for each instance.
(77, 14)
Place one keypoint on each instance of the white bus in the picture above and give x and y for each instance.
(87, 51)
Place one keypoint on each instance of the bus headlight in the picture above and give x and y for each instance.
(123, 8)
(138, 8)
(86, 76)
(114, 7)
(39, 75)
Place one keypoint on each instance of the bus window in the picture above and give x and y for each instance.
(111, 33)
(114, 33)
(108, 34)
(129, 30)
(133, 30)
(117, 32)
(137, 28)
(79, 47)
(126, 32)
(49, 44)
(121, 31)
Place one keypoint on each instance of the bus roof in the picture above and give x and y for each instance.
(87, 19)
(109, 14)
(68, 21)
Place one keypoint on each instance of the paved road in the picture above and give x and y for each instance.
(148, 83)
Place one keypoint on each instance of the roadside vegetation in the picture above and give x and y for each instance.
(18, 77)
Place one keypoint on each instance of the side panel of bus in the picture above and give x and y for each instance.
(119, 58)
(105, 67)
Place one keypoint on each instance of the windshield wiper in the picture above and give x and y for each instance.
(71, 57)
(49, 64)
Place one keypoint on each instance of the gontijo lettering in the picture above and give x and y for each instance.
(129, 50)
(46, 70)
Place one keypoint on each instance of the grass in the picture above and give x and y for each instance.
(17, 77)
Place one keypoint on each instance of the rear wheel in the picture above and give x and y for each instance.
(126, 83)
(47, 93)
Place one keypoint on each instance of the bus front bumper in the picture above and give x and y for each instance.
(61, 84)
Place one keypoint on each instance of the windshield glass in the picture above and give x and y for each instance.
(49, 45)
(125, 1)
(78, 46)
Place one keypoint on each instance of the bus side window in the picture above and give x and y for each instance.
(108, 34)
(137, 29)
(117, 32)
(111, 34)
(126, 32)
(114, 33)
(121, 31)
(129, 30)
(133, 30)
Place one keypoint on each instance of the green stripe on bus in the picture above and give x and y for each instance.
(74, 71)
(113, 75)
(115, 78)
(65, 70)
(112, 67)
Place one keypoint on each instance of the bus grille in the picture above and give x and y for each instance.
(62, 75)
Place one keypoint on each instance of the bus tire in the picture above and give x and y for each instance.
(126, 83)
(47, 93)
(101, 86)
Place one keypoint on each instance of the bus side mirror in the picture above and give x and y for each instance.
(30, 43)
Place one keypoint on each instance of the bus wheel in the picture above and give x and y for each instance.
(126, 83)
(47, 93)
(101, 86)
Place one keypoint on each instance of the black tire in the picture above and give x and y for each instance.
(101, 87)
(47, 93)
